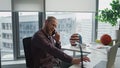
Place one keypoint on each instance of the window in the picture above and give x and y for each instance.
(71, 22)
(28, 25)
(6, 38)
(7, 45)
(106, 28)
(7, 35)
(3, 25)
(6, 26)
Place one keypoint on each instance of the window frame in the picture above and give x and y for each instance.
(15, 28)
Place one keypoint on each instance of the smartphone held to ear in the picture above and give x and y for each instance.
(54, 32)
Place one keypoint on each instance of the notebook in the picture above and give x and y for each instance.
(111, 55)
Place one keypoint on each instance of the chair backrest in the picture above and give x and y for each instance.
(27, 51)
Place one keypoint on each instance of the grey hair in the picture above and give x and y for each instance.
(51, 18)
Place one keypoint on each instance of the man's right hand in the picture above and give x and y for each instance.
(77, 60)
(57, 37)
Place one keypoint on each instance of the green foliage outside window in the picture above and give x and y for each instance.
(110, 15)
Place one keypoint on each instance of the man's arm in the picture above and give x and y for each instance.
(58, 45)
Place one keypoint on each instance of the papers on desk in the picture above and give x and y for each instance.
(99, 47)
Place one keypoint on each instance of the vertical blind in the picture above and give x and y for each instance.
(71, 5)
(50, 5)
(28, 5)
(5, 5)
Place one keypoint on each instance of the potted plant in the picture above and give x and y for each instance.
(111, 15)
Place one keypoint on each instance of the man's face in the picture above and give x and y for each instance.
(51, 26)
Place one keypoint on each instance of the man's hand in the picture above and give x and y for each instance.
(86, 59)
(77, 60)
(57, 37)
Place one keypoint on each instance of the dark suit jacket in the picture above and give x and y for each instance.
(44, 51)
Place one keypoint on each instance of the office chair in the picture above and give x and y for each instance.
(27, 51)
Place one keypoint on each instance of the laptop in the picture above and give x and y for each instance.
(111, 55)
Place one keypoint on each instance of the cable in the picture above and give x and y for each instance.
(81, 54)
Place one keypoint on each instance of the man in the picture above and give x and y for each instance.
(46, 46)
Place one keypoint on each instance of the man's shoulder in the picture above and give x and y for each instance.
(39, 34)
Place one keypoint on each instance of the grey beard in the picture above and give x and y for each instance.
(48, 33)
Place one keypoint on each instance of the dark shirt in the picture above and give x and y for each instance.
(44, 51)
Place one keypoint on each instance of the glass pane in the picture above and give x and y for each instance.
(69, 23)
(28, 25)
(6, 38)
(106, 28)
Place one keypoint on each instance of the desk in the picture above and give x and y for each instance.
(76, 49)
(96, 56)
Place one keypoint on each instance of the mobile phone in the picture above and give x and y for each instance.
(54, 32)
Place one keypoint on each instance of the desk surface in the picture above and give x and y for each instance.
(96, 56)
(76, 48)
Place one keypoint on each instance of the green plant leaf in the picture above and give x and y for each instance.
(110, 15)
